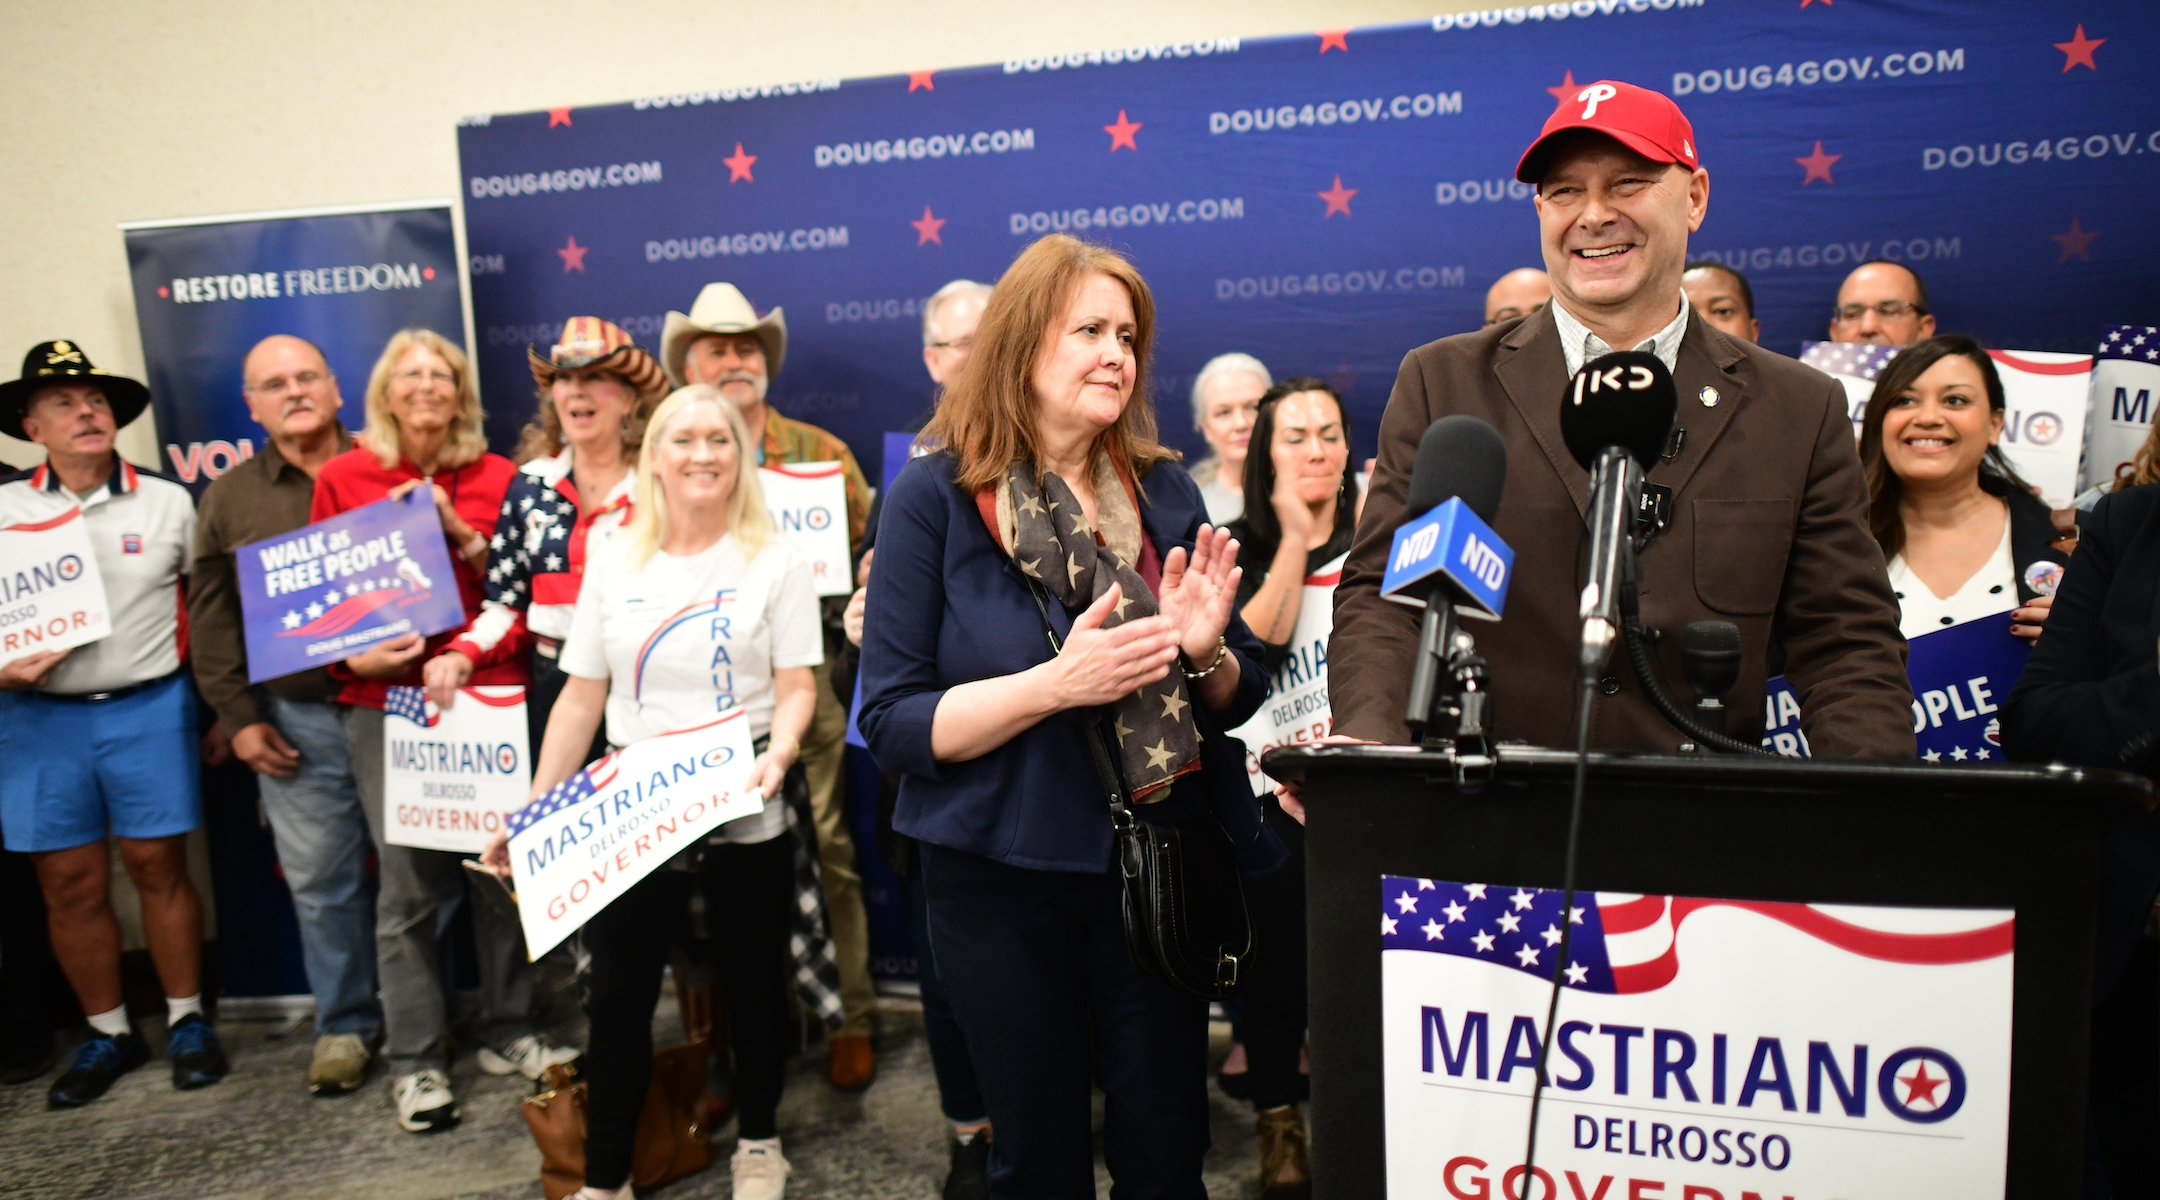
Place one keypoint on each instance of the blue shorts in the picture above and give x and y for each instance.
(69, 770)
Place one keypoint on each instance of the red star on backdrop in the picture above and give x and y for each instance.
(573, 256)
(1805, 3)
(926, 230)
(2078, 241)
(2078, 51)
(1566, 91)
(164, 293)
(1338, 199)
(921, 79)
(1335, 39)
(1121, 134)
(427, 272)
(1818, 165)
(738, 167)
(1920, 1086)
(558, 116)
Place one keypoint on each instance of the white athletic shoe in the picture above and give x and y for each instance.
(589, 1192)
(527, 1056)
(424, 1102)
(760, 1172)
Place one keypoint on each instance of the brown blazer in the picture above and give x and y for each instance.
(1769, 531)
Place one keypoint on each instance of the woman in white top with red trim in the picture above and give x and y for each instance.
(697, 607)
(1965, 536)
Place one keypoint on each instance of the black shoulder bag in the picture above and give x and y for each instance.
(1185, 917)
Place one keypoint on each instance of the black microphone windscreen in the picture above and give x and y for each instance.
(1710, 637)
(1626, 400)
(1458, 456)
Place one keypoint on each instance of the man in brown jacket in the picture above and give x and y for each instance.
(1769, 518)
(287, 729)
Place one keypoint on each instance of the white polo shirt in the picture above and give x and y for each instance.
(140, 529)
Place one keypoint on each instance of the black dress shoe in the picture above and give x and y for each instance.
(25, 1056)
(96, 1065)
(197, 1058)
(969, 1178)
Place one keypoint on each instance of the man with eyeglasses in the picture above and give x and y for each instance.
(1882, 302)
(288, 729)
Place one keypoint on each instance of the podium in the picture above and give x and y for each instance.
(1754, 829)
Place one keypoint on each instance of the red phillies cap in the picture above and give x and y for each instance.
(1647, 122)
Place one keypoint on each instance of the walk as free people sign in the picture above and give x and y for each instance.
(593, 836)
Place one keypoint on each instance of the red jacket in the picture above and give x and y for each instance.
(357, 478)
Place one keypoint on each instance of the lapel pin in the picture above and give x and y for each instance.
(1708, 396)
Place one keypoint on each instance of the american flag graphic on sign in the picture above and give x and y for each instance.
(412, 704)
(1625, 943)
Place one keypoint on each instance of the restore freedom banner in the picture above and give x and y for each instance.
(451, 777)
(51, 595)
(597, 833)
(1702, 1048)
(327, 591)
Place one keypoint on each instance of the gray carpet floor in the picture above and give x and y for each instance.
(259, 1136)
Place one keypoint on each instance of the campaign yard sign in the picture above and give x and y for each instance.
(577, 849)
(1296, 709)
(1959, 678)
(51, 595)
(2126, 373)
(1703, 1048)
(2044, 402)
(327, 591)
(451, 776)
(809, 505)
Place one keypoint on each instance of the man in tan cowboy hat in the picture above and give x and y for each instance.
(723, 342)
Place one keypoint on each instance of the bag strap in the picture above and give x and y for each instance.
(1121, 813)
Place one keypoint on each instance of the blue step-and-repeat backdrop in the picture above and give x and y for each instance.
(1331, 200)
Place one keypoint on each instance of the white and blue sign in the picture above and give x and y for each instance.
(330, 590)
(1450, 541)
(1702, 1047)
(1959, 678)
(207, 290)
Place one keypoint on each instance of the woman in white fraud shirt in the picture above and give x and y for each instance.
(700, 533)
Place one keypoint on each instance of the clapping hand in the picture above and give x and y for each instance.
(1198, 596)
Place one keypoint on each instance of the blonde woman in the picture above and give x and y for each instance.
(424, 428)
(697, 608)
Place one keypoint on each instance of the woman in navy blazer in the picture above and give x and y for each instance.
(2090, 695)
(965, 701)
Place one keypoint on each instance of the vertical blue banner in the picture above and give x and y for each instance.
(207, 291)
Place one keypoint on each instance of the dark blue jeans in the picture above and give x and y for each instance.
(1049, 998)
(959, 1095)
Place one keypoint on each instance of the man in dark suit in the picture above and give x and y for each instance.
(1769, 518)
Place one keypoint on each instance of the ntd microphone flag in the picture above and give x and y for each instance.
(1450, 541)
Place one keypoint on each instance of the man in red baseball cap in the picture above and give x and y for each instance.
(1769, 518)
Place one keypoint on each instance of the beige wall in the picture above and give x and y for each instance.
(124, 110)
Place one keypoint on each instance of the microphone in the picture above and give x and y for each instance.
(1710, 653)
(1616, 418)
(1446, 553)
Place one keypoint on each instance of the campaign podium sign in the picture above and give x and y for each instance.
(808, 502)
(51, 594)
(1297, 709)
(327, 591)
(1959, 678)
(1702, 1047)
(452, 776)
(593, 836)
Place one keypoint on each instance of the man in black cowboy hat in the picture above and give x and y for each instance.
(103, 737)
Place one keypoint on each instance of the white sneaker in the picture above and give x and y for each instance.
(760, 1172)
(527, 1056)
(424, 1102)
(589, 1192)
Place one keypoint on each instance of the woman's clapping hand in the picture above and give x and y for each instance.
(1100, 666)
(1197, 596)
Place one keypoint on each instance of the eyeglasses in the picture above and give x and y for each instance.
(963, 345)
(416, 376)
(281, 385)
(1888, 310)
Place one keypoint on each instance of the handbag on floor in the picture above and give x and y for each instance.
(674, 1130)
(1184, 905)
